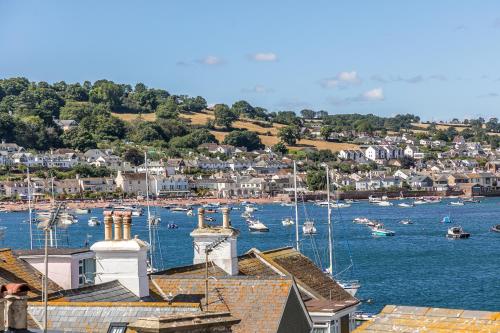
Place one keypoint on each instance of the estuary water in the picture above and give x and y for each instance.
(418, 266)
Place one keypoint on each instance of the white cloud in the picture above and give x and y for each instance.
(258, 89)
(264, 57)
(342, 79)
(373, 95)
(376, 94)
(211, 60)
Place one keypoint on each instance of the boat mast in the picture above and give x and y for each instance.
(330, 238)
(296, 207)
(29, 208)
(151, 250)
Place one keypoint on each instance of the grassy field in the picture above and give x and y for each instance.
(268, 140)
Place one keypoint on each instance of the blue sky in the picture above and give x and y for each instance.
(436, 59)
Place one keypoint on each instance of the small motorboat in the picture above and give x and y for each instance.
(457, 203)
(420, 202)
(81, 211)
(178, 209)
(406, 205)
(384, 203)
(308, 228)
(495, 228)
(94, 221)
(379, 230)
(362, 220)
(246, 215)
(209, 219)
(406, 221)
(287, 221)
(472, 200)
(154, 220)
(457, 233)
(287, 204)
(250, 208)
(190, 212)
(172, 226)
(257, 226)
(210, 211)
(340, 205)
(446, 219)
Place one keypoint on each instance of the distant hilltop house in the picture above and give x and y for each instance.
(66, 125)
(222, 149)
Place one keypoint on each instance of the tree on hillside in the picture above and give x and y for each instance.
(326, 131)
(134, 156)
(224, 116)
(168, 110)
(79, 138)
(280, 148)
(308, 114)
(316, 180)
(289, 134)
(245, 138)
(243, 108)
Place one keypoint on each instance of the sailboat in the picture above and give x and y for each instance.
(152, 221)
(350, 286)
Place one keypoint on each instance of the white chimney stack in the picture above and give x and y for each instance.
(121, 258)
(219, 242)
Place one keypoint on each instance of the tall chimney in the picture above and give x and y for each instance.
(123, 259)
(108, 221)
(127, 221)
(225, 218)
(201, 218)
(117, 218)
(15, 306)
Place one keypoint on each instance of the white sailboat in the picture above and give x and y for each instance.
(350, 286)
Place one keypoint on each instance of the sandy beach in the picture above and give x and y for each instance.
(15, 206)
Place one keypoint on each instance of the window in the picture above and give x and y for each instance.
(86, 271)
(117, 327)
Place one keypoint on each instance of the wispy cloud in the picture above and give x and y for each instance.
(211, 60)
(293, 104)
(460, 27)
(258, 89)
(264, 57)
(341, 80)
(419, 78)
(373, 95)
(489, 95)
(182, 63)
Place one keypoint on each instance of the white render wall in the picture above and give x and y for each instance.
(225, 255)
(125, 261)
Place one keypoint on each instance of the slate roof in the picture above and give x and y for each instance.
(311, 280)
(15, 270)
(51, 250)
(259, 303)
(422, 319)
(112, 291)
(96, 317)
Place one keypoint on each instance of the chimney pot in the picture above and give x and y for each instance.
(117, 218)
(225, 218)
(108, 221)
(127, 221)
(201, 218)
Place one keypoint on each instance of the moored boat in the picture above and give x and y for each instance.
(495, 228)
(256, 225)
(406, 221)
(406, 205)
(379, 230)
(457, 233)
(93, 221)
(384, 203)
(81, 211)
(308, 228)
(457, 203)
(287, 221)
(446, 219)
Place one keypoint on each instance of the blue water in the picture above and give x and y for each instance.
(419, 266)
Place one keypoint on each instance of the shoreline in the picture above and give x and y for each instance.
(20, 206)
